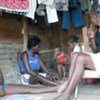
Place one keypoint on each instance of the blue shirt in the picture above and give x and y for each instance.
(33, 62)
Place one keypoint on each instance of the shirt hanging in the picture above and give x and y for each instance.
(61, 5)
(32, 8)
(51, 14)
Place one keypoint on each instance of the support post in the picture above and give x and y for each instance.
(24, 32)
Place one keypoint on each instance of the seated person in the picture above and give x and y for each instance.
(19, 89)
(30, 64)
(76, 47)
(80, 61)
(72, 42)
(61, 61)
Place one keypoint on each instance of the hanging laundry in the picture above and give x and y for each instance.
(50, 11)
(77, 18)
(66, 20)
(73, 3)
(14, 5)
(41, 1)
(85, 5)
(49, 2)
(62, 1)
(32, 9)
(61, 5)
(51, 14)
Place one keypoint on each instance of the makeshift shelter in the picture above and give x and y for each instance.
(18, 24)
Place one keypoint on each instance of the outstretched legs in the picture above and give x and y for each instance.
(82, 61)
(14, 88)
(72, 67)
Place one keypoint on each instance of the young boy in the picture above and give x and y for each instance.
(61, 61)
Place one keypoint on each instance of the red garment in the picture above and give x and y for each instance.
(14, 5)
(61, 58)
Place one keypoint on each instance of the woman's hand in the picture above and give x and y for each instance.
(54, 76)
(35, 73)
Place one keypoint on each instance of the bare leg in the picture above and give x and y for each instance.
(59, 71)
(80, 63)
(64, 71)
(45, 81)
(19, 89)
(72, 67)
(14, 88)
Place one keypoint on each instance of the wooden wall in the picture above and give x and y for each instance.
(11, 41)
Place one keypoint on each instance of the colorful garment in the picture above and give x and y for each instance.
(61, 58)
(14, 5)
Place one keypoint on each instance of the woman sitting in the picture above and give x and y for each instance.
(30, 64)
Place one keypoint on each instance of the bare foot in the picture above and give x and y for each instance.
(63, 97)
(62, 87)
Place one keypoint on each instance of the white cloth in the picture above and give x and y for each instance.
(77, 49)
(41, 1)
(49, 2)
(80, 48)
(51, 14)
(99, 2)
(25, 78)
(32, 8)
(96, 60)
(43, 74)
(95, 56)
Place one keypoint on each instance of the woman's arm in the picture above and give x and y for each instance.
(44, 67)
(91, 36)
(26, 64)
(53, 76)
(92, 44)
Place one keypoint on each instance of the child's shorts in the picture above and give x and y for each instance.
(25, 78)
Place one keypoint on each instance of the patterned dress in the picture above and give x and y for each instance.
(14, 5)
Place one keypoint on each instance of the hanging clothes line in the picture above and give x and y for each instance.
(14, 5)
(28, 8)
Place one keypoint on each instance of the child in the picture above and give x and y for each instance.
(61, 60)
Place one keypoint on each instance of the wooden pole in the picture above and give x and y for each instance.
(24, 32)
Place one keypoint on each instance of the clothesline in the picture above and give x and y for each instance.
(29, 7)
